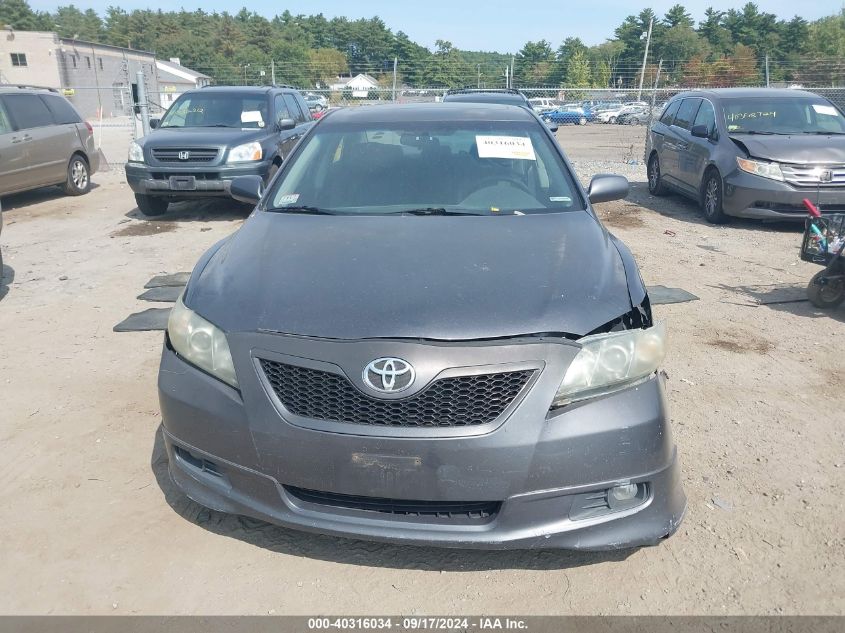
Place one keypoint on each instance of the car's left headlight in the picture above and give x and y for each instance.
(760, 168)
(136, 154)
(245, 153)
(610, 362)
(201, 343)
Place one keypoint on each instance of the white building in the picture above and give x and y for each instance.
(174, 79)
(360, 85)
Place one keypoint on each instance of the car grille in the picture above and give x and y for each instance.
(810, 175)
(448, 402)
(480, 511)
(195, 154)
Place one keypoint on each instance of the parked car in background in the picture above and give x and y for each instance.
(44, 141)
(610, 114)
(209, 136)
(364, 358)
(570, 113)
(750, 152)
(542, 104)
(504, 96)
(315, 102)
(633, 115)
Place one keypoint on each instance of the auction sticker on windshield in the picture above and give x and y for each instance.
(517, 147)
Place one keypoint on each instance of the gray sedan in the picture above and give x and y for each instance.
(423, 334)
(750, 152)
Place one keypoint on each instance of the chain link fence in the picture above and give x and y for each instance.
(116, 114)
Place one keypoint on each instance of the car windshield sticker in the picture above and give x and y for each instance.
(565, 199)
(289, 198)
(517, 147)
(252, 116)
(824, 109)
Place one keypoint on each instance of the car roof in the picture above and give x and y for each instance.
(244, 89)
(16, 88)
(747, 93)
(428, 112)
(486, 97)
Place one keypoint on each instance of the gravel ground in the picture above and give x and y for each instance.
(91, 523)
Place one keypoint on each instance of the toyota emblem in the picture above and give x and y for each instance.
(825, 175)
(389, 375)
(184, 155)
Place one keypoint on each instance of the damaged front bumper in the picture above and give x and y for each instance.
(537, 479)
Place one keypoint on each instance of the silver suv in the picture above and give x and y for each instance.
(43, 141)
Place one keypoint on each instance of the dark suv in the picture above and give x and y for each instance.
(750, 152)
(211, 135)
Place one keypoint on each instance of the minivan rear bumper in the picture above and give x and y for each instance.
(209, 181)
(539, 484)
(750, 196)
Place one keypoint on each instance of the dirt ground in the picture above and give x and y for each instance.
(91, 525)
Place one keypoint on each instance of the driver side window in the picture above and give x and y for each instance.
(706, 116)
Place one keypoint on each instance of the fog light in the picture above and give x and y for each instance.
(624, 493)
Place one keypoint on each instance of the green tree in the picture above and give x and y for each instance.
(678, 16)
(533, 65)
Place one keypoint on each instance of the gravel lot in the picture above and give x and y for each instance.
(91, 525)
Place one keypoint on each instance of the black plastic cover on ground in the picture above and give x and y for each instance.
(148, 320)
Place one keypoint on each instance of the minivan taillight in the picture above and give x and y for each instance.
(90, 128)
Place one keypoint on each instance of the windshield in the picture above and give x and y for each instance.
(216, 109)
(477, 167)
(786, 115)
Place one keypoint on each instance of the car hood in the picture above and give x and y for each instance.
(443, 278)
(200, 136)
(798, 148)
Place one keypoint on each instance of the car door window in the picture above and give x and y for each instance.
(62, 111)
(281, 109)
(293, 108)
(706, 116)
(669, 114)
(686, 113)
(28, 111)
(5, 124)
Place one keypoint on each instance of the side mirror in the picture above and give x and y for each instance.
(247, 189)
(607, 187)
(154, 123)
(700, 131)
(285, 124)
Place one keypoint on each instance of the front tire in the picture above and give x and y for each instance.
(78, 177)
(633, 121)
(582, 121)
(826, 295)
(151, 206)
(655, 177)
(711, 198)
(612, 120)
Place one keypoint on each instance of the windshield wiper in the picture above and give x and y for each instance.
(824, 133)
(431, 211)
(304, 210)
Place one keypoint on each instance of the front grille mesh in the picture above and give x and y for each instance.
(449, 402)
(195, 154)
(444, 510)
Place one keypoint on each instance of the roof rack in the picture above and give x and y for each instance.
(28, 87)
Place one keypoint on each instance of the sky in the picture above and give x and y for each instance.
(489, 25)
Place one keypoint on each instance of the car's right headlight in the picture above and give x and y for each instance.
(200, 343)
(136, 154)
(610, 362)
(760, 168)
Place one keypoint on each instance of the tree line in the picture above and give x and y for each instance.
(725, 48)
